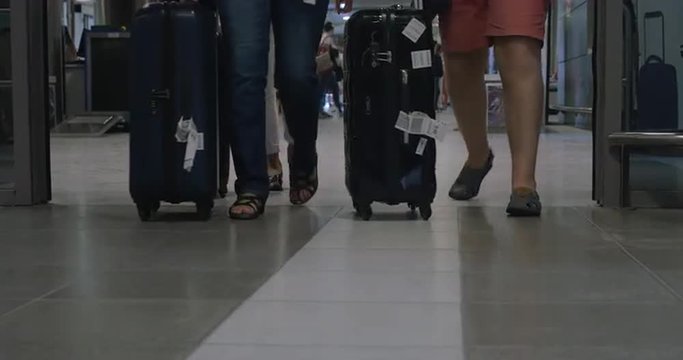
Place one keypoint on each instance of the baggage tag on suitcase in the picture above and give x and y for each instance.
(414, 30)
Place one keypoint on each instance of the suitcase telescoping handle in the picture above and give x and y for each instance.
(652, 16)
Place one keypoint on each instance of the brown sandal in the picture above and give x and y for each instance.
(300, 184)
(254, 202)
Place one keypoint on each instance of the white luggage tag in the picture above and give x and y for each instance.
(403, 121)
(421, 59)
(414, 30)
(186, 132)
(419, 123)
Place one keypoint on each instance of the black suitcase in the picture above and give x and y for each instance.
(657, 87)
(174, 77)
(383, 79)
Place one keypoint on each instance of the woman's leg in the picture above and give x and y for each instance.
(272, 126)
(517, 30)
(272, 117)
(246, 25)
(519, 59)
(468, 95)
(297, 28)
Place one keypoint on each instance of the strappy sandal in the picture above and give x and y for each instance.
(248, 200)
(275, 182)
(301, 184)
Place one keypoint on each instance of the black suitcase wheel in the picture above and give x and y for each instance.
(364, 211)
(145, 211)
(204, 210)
(426, 212)
(412, 207)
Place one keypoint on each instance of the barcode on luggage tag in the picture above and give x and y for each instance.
(421, 146)
(419, 123)
(416, 125)
(422, 59)
(414, 30)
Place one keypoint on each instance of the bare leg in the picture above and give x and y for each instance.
(465, 73)
(519, 59)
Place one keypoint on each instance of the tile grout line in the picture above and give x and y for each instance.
(633, 258)
(35, 300)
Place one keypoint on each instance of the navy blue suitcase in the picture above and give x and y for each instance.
(657, 89)
(174, 77)
(380, 81)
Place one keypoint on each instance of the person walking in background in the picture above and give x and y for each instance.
(437, 67)
(273, 125)
(328, 78)
(516, 30)
(297, 27)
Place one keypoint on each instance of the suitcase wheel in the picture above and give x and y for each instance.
(364, 211)
(426, 211)
(204, 210)
(147, 210)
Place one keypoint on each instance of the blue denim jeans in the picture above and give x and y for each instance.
(297, 27)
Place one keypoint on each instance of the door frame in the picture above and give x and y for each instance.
(30, 104)
(608, 65)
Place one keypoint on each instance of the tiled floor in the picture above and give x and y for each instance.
(83, 279)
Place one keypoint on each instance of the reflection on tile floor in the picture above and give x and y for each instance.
(83, 279)
(92, 282)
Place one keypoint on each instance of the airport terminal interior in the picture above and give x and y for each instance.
(598, 276)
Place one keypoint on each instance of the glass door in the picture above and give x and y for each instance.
(24, 105)
(639, 98)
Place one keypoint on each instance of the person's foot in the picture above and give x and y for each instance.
(274, 172)
(303, 188)
(469, 181)
(275, 182)
(247, 207)
(524, 202)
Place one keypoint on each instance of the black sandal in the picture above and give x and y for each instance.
(469, 181)
(254, 202)
(298, 184)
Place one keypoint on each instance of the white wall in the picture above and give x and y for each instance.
(673, 13)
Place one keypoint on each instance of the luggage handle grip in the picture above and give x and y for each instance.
(651, 16)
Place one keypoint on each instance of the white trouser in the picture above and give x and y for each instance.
(272, 118)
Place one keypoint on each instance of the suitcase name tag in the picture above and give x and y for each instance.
(421, 59)
(414, 30)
